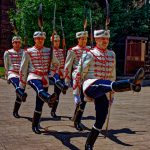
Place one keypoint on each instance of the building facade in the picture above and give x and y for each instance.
(132, 52)
(5, 27)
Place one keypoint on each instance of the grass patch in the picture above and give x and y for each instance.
(2, 72)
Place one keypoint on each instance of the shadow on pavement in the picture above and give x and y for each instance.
(66, 117)
(65, 137)
(27, 118)
(112, 135)
(88, 118)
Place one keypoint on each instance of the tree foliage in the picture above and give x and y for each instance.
(127, 17)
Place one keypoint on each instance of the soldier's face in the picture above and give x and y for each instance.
(102, 42)
(39, 41)
(82, 41)
(16, 45)
(56, 43)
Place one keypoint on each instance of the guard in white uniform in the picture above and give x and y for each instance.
(12, 61)
(96, 70)
(34, 69)
(73, 56)
(57, 74)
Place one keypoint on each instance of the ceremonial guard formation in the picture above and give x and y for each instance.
(12, 61)
(98, 79)
(73, 56)
(34, 69)
(57, 74)
(91, 72)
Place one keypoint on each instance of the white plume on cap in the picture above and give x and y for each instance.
(39, 34)
(16, 38)
(101, 33)
(56, 37)
(82, 34)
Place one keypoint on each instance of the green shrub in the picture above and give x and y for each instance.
(2, 72)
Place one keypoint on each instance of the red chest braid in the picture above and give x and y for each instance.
(78, 54)
(40, 60)
(103, 65)
(60, 56)
(15, 60)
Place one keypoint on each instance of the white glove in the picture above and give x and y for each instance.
(77, 99)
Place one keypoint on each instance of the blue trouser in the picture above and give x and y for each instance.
(99, 88)
(15, 83)
(98, 92)
(101, 108)
(56, 89)
(54, 78)
(38, 86)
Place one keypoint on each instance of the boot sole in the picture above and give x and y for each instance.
(139, 76)
(16, 115)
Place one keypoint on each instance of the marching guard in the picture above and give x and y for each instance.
(98, 76)
(34, 69)
(12, 61)
(57, 73)
(73, 56)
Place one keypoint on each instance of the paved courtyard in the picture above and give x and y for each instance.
(129, 126)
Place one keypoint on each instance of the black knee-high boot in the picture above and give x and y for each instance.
(46, 97)
(35, 122)
(91, 139)
(53, 111)
(120, 86)
(78, 116)
(21, 94)
(16, 107)
(139, 76)
(77, 107)
(132, 84)
(61, 86)
(125, 85)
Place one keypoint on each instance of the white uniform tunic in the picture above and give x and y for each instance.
(95, 64)
(73, 56)
(36, 65)
(59, 54)
(12, 61)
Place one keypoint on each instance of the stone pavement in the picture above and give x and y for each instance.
(129, 126)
